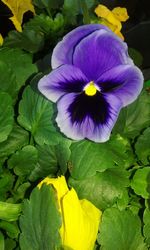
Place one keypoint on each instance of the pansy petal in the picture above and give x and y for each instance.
(81, 117)
(124, 81)
(62, 53)
(64, 79)
(58, 183)
(102, 132)
(99, 52)
(63, 118)
(81, 220)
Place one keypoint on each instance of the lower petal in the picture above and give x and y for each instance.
(63, 118)
(78, 118)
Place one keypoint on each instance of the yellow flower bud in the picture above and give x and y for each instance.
(80, 218)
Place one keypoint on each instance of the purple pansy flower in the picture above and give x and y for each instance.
(93, 78)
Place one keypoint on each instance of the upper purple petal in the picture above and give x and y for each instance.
(124, 81)
(99, 52)
(62, 53)
(88, 127)
(64, 79)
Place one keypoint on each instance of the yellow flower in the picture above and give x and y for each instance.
(18, 8)
(80, 218)
(112, 19)
(1, 40)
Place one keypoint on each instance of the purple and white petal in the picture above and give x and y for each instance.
(63, 118)
(99, 52)
(123, 81)
(64, 79)
(62, 53)
(78, 125)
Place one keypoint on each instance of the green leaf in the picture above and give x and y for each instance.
(9, 211)
(6, 116)
(39, 4)
(88, 157)
(46, 25)
(130, 122)
(10, 244)
(141, 182)
(84, 5)
(48, 4)
(136, 56)
(2, 243)
(16, 139)
(35, 32)
(28, 40)
(40, 221)
(11, 229)
(71, 9)
(24, 160)
(47, 163)
(120, 230)
(50, 157)
(63, 154)
(146, 218)
(36, 115)
(103, 189)
(143, 142)
(147, 84)
(71, 6)
(7, 80)
(6, 183)
(123, 200)
(135, 203)
(24, 67)
(19, 194)
(89, 3)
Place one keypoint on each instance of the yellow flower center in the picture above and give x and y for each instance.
(90, 89)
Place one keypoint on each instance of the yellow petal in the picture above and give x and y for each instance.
(112, 27)
(120, 13)
(1, 40)
(81, 221)
(16, 23)
(102, 11)
(109, 25)
(106, 14)
(92, 217)
(18, 8)
(58, 183)
(118, 33)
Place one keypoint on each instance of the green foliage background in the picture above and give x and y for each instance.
(114, 176)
